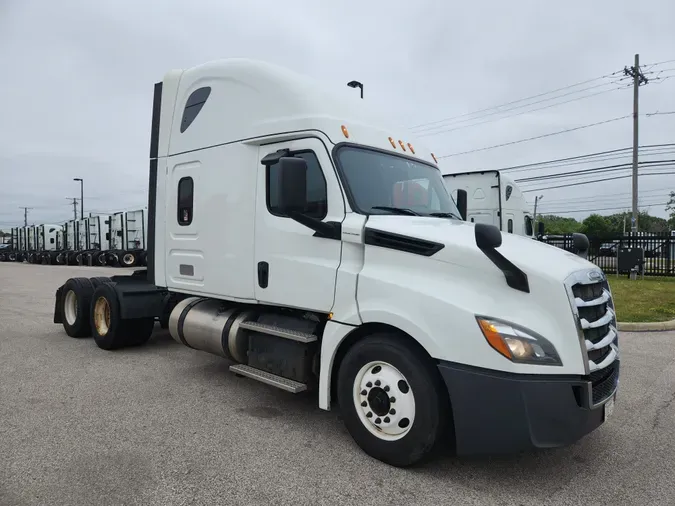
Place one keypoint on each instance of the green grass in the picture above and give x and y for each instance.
(651, 299)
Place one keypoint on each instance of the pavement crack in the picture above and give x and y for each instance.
(661, 409)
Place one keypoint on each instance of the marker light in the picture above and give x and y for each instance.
(518, 344)
(400, 143)
(345, 132)
(393, 144)
(434, 157)
(412, 150)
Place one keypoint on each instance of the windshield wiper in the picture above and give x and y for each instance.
(397, 210)
(445, 215)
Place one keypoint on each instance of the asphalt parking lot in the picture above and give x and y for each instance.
(164, 425)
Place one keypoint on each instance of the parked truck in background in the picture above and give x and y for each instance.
(493, 198)
(278, 238)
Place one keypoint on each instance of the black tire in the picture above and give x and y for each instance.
(98, 258)
(3, 257)
(128, 259)
(61, 258)
(99, 280)
(144, 258)
(431, 413)
(112, 259)
(116, 333)
(11, 257)
(82, 291)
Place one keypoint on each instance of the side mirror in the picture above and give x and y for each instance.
(540, 228)
(581, 244)
(487, 236)
(292, 184)
(461, 203)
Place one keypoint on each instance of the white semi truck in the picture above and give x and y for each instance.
(493, 198)
(277, 239)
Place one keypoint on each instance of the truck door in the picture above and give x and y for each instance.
(294, 268)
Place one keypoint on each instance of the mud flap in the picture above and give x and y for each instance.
(58, 306)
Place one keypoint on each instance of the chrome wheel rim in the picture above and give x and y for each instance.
(384, 400)
(70, 307)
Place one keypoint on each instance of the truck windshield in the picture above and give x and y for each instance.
(383, 183)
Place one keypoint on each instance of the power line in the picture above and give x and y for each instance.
(594, 210)
(429, 131)
(518, 101)
(606, 196)
(537, 137)
(589, 155)
(595, 181)
(650, 164)
(607, 158)
(651, 200)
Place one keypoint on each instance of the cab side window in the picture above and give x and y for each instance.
(317, 196)
(510, 226)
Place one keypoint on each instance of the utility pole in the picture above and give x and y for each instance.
(638, 79)
(534, 217)
(74, 199)
(81, 196)
(25, 215)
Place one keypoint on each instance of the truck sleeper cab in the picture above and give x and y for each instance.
(282, 236)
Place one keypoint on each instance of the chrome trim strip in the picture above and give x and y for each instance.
(608, 339)
(613, 355)
(595, 302)
(608, 318)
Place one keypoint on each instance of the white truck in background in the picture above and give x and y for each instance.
(279, 238)
(495, 199)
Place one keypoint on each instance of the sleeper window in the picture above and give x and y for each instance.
(510, 225)
(185, 198)
(317, 198)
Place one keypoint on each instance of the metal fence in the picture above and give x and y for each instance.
(659, 250)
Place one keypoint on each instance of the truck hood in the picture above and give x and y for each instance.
(460, 246)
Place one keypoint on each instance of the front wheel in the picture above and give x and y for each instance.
(392, 400)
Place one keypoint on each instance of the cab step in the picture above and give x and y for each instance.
(273, 330)
(270, 379)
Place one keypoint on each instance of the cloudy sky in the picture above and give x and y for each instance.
(77, 82)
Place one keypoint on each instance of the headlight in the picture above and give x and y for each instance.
(518, 344)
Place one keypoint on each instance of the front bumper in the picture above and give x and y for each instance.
(497, 412)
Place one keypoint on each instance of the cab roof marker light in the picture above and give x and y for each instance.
(391, 141)
(412, 150)
(400, 143)
(345, 132)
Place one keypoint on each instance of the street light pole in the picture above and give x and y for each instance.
(356, 84)
(81, 195)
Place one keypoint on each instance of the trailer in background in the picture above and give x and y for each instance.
(46, 243)
(127, 238)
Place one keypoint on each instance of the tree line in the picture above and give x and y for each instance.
(599, 226)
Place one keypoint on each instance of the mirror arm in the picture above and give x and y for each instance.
(328, 230)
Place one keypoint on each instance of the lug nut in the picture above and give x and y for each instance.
(377, 420)
(377, 383)
(392, 411)
(364, 392)
(386, 419)
(392, 399)
(369, 384)
(386, 388)
(364, 404)
(369, 414)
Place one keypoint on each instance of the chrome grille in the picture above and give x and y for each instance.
(593, 307)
